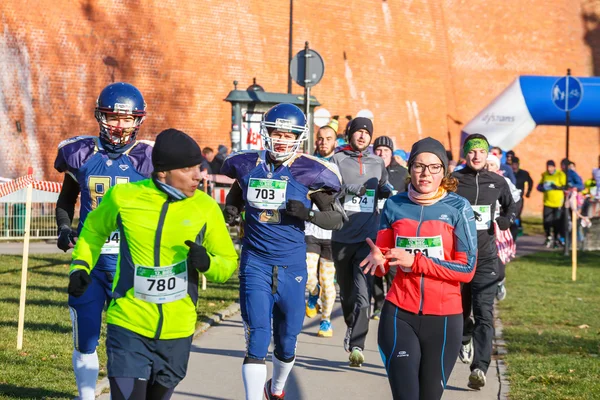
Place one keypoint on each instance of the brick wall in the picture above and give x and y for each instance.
(416, 64)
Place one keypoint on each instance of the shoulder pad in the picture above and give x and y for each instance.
(75, 152)
(241, 163)
(140, 155)
(75, 140)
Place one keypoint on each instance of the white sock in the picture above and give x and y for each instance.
(254, 377)
(86, 369)
(281, 371)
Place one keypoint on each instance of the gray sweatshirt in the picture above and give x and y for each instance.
(360, 169)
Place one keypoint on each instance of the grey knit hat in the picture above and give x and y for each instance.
(383, 141)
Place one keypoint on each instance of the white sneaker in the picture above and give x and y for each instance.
(476, 379)
(466, 352)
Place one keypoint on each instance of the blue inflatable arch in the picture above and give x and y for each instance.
(536, 100)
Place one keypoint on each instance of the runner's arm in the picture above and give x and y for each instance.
(65, 205)
(331, 214)
(219, 247)
(97, 227)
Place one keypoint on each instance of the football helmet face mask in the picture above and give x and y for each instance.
(283, 118)
(116, 101)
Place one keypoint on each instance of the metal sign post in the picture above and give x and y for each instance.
(567, 93)
(307, 69)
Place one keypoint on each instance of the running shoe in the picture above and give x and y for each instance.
(476, 379)
(356, 358)
(325, 330)
(501, 291)
(312, 308)
(271, 396)
(347, 340)
(549, 242)
(376, 315)
(466, 352)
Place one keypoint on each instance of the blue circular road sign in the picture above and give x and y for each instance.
(567, 93)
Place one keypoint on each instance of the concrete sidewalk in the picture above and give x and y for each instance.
(38, 247)
(321, 369)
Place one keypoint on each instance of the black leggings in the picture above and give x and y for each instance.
(418, 351)
(138, 389)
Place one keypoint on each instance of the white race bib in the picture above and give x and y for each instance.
(266, 194)
(381, 202)
(483, 217)
(431, 247)
(364, 203)
(161, 284)
(111, 246)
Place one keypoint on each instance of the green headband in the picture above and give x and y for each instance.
(475, 143)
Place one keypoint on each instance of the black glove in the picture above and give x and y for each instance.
(503, 223)
(231, 213)
(198, 257)
(79, 280)
(66, 237)
(362, 191)
(296, 209)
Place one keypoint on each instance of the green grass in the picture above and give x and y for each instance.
(552, 327)
(42, 369)
(533, 226)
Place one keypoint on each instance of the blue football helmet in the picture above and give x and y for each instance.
(283, 117)
(120, 99)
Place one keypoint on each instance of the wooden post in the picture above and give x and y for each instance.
(21, 323)
(574, 239)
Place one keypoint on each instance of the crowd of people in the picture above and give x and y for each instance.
(423, 238)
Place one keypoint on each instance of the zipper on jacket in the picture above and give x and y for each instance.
(157, 240)
(360, 165)
(422, 275)
(477, 187)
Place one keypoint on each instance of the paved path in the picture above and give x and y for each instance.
(321, 369)
(16, 247)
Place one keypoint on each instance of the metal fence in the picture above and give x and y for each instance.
(12, 221)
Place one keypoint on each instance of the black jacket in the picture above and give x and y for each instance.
(486, 188)
(397, 175)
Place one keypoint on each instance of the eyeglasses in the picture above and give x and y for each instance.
(433, 168)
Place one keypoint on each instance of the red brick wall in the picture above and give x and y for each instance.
(442, 57)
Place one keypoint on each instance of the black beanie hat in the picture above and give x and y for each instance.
(174, 149)
(357, 124)
(383, 141)
(428, 145)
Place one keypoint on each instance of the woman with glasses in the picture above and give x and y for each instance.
(429, 233)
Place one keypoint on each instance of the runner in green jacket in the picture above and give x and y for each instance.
(170, 232)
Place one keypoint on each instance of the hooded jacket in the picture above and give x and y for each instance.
(358, 169)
